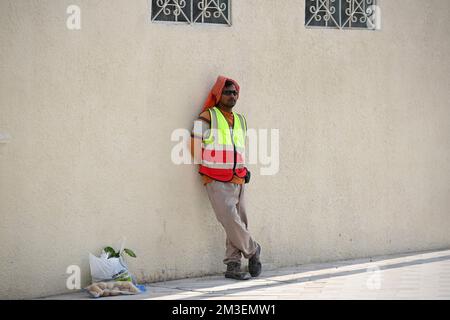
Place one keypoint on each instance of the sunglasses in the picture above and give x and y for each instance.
(229, 92)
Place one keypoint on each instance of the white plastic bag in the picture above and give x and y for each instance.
(106, 269)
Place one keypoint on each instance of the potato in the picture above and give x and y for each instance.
(96, 289)
(125, 285)
(134, 289)
(115, 292)
(101, 285)
(95, 292)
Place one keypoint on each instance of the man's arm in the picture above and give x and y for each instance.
(201, 126)
(196, 144)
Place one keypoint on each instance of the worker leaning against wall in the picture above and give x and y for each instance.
(219, 135)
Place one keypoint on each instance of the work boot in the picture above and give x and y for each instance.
(254, 263)
(234, 272)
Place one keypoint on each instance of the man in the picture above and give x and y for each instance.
(219, 134)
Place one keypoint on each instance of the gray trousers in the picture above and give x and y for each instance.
(227, 200)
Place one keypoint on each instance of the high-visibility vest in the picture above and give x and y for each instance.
(223, 150)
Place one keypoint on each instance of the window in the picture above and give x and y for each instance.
(192, 11)
(342, 14)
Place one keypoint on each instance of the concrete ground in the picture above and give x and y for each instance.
(421, 275)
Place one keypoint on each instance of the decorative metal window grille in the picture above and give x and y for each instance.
(341, 14)
(192, 11)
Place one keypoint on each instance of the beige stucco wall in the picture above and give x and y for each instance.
(364, 120)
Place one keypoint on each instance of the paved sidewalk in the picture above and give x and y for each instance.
(422, 275)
